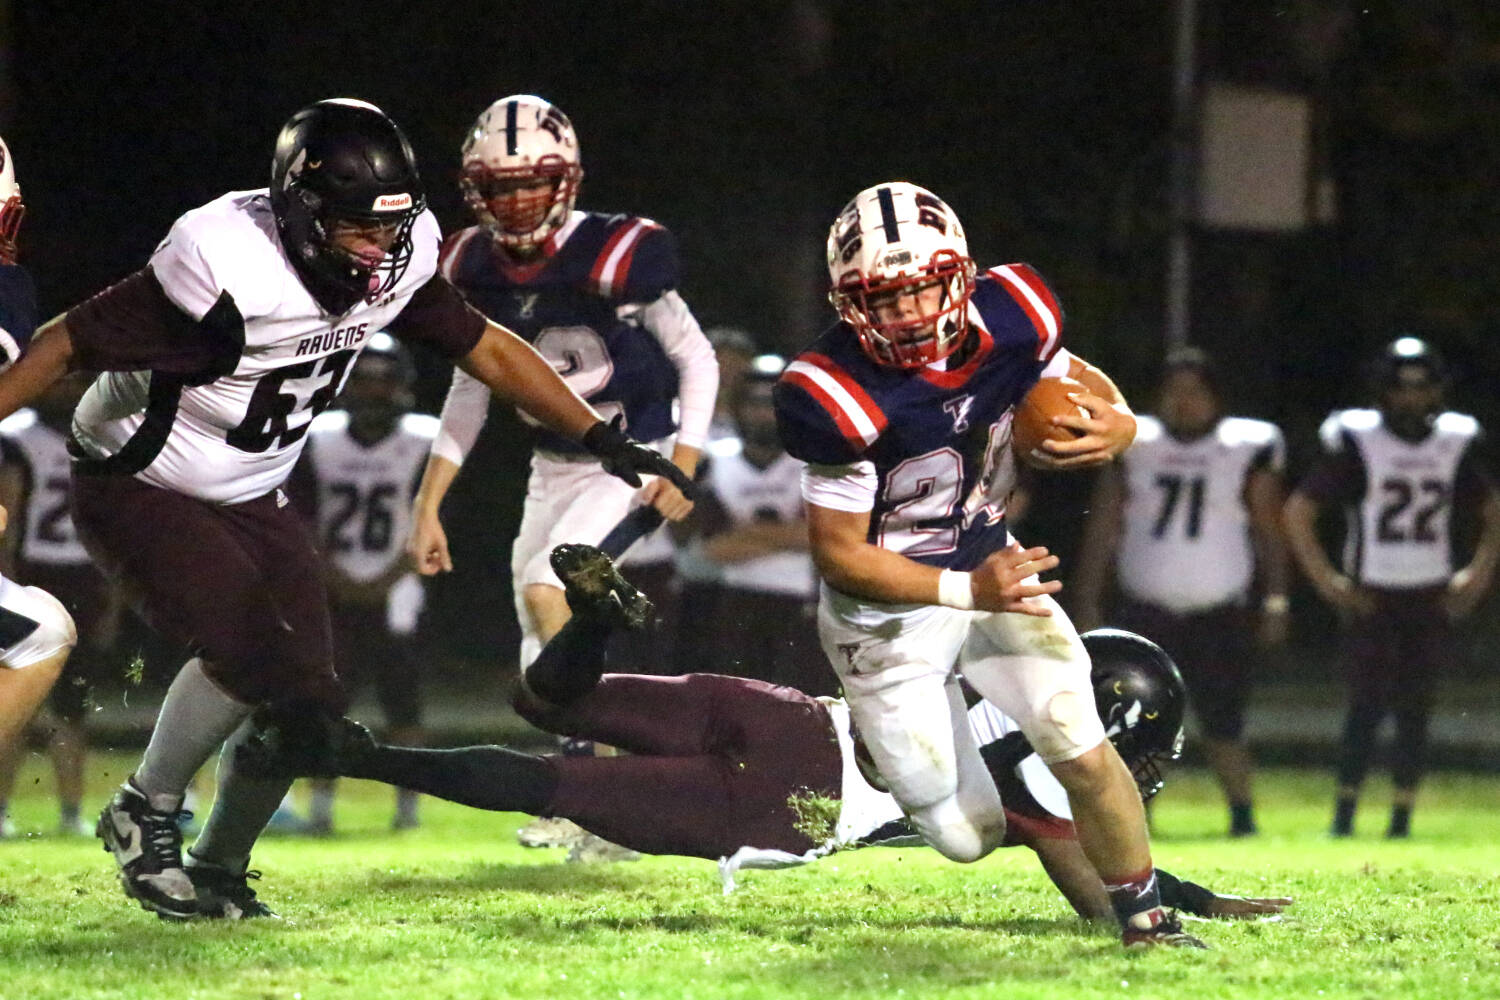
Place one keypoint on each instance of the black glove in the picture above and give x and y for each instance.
(627, 459)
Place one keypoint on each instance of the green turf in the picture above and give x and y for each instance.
(457, 910)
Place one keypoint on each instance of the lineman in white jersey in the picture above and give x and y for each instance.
(754, 530)
(36, 631)
(215, 359)
(357, 477)
(1401, 474)
(1188, 521)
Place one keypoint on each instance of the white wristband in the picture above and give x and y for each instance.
(1276, 604)
(955, 590)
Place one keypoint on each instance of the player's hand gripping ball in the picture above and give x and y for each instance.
(1033, 424)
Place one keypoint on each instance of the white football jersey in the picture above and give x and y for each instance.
(1185, 536)
(50, 537)
(1399, 533)
(365, 493)
(238, 436)
(749, 494)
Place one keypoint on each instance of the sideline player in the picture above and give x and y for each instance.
(1189, 521)
(45, 551)
(903, 410)
(752, 774)
(36, 631)
(595, 294)
(1400, 473)
(750, 525)
(215, 358)
(357, 478)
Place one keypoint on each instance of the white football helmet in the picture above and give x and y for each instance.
(11, 209)
(890, 242)
(518, 139)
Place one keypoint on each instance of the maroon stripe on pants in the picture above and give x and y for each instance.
(239, 584)
(713, 763)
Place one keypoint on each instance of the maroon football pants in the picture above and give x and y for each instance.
(712, 763)
(238, 584)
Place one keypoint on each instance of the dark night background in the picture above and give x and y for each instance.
(745, 126)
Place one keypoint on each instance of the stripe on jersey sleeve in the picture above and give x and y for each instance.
(453, 253)
(858, 418)
(613, 264)
(1036, 301)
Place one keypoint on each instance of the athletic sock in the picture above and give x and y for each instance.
(1136, 900)
(320, 810)
(196, 717)
(1241, 819)
(67, 815)
(1343, 815)
(242, 808)
(571, 663)
(484, 777)
(1400, 822)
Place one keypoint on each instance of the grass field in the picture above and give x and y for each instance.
(456, 909)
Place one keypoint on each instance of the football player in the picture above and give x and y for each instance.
(750, 525)
(36, 631)
(596, 295)
(748, 773)
(215, 358)
(44, 550)
(903, 412)
(1400, 473)
(357, 477)
(1188, 523)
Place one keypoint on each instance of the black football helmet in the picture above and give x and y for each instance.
(1408, 378)
(343, 160)
(1141, 700)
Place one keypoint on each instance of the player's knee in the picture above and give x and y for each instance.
(1066, 727)
(53, 638)
(956, 835)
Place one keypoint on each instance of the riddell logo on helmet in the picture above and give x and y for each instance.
(392, 202)
(897, 259)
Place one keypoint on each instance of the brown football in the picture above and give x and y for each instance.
(1033, 420)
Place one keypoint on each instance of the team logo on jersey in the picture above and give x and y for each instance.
(392, 202)
(959, 409)
(526, 304)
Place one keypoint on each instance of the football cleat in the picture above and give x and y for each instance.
(550, 831)
(595, 588)
(1166, 932)
(592, 849)
(226, 895)
(147, 845)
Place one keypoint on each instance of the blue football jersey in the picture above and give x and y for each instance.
(18, 312)
(574, 306)
(939, 439)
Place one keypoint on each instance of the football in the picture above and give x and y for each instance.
(1032, 423)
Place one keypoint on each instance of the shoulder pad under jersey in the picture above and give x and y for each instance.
(637, 261)
(824, 416)
(1019, 309)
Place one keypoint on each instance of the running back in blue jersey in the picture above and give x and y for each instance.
(18, 312)
(575, 306)
(939, 440)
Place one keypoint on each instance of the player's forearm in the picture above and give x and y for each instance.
(1299, 521)
(45, 361)
(1101, 535)
(751, 541)
(875, 574)
(436, 479)
(1075, 878)
(1487, 549)
(1272, 561)
(516, 373)
(686, 457)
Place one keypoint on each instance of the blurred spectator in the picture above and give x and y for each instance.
(1187, 523)
(1400, 474)
(360, 471)
(752, 529)
(42, 548)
